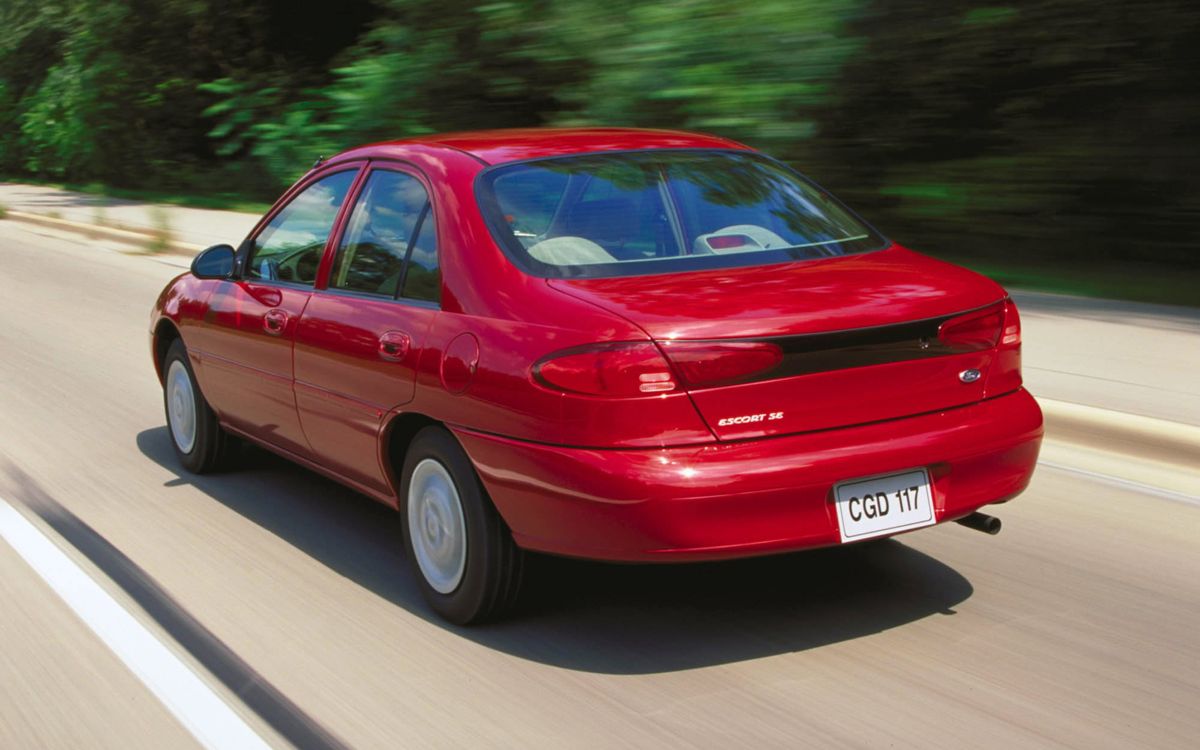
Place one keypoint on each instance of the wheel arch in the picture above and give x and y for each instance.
(398, 435)
(165, 334)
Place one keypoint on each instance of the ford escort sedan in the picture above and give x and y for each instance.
(616, 344)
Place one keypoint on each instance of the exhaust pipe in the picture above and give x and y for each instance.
(981, 522)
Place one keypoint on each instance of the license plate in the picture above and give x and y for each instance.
(883, 505)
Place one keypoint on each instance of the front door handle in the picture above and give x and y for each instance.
(275, 321)
(393, 346)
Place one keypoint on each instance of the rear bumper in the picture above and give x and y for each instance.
(752, 497)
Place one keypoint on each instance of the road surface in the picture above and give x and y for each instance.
(1077, 626)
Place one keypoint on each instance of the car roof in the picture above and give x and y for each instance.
(499, 146)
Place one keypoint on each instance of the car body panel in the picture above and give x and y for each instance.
(844, 294)
(503, 399)
(840, 398)
(748, 497)
(248, 368)
(344, 385)
(813, 296)
(502, 146)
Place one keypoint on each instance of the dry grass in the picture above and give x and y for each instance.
(160, 235)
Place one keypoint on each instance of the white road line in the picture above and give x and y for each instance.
(210, 720)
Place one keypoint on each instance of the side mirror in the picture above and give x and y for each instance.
(217, 262)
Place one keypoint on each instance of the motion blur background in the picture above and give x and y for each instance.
(1051, 144)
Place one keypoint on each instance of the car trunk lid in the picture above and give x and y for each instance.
(816, 344)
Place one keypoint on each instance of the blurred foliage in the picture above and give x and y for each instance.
(1047, 130)
(1061, 130)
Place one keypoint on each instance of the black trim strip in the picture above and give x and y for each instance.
(408, 250)
(856, 347)
(842, 350)
(260, 696)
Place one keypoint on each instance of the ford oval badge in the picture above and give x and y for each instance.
(969, 376)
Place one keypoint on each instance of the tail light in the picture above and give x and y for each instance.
(710, 363)
(1004, 375)
(1012, 325)
(976, 330)
(617, 370)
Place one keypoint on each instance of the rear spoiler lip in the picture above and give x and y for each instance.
(809, 353)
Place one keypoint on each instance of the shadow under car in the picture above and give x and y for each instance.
(600, 617)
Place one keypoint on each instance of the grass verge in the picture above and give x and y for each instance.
(219, 201)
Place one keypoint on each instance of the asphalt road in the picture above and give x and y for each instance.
(1076, 626)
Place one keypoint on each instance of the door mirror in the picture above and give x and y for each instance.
(217, 262)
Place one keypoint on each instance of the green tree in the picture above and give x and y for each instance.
(420, 68)
(752, 71)
(1062, 129)
(1056, 130)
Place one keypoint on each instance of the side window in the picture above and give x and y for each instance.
(291, 245)
(423, 279)
(390, 240)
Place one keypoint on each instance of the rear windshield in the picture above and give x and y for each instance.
(643, 212)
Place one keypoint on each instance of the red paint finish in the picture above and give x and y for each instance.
(813, 296)
(247, 361)
(460, 362)
(654, 456)
(844, 397)
(346, 380)
(748, 497)
(497, 147)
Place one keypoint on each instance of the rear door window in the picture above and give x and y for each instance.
(389, 247)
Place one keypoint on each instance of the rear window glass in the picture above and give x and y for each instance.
(663, 211)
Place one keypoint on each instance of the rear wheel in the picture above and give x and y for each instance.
(199, 442)
(467, 564)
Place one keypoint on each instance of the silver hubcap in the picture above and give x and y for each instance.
(181, 407)
(436, 526)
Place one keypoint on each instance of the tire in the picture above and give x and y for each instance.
(189, 415)
(467, 565)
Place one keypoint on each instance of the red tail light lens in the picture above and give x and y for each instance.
(617, 370)
(1012, 325)
(976, 330)
(1004, 375)
(709, 363)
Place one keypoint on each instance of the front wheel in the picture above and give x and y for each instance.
(468, 567)
(200, 443)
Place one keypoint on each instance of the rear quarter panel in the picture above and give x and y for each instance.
(501, 397)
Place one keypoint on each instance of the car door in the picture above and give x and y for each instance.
(360, 338)
(252, 320)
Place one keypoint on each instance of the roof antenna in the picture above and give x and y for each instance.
(320, 160)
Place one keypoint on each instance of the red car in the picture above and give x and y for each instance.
(606, 343)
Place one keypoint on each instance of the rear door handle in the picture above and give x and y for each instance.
(393, 346)
(274, 321)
